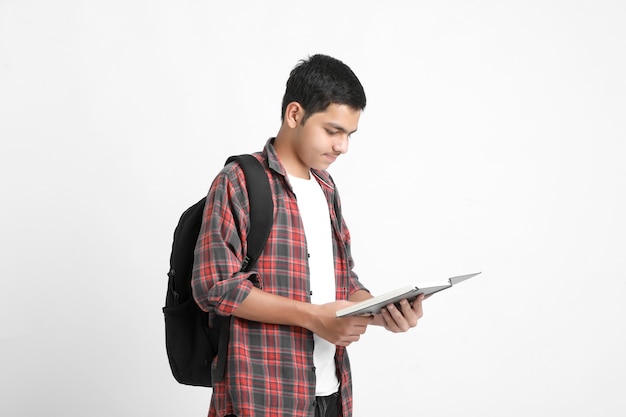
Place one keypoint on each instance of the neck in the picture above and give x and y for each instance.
(284, 146)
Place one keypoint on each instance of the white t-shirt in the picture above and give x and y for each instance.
(318, 232)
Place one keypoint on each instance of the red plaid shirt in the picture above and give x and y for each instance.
(269, 370)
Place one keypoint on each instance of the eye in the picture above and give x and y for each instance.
(331, 132)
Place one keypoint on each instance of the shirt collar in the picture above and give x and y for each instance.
(273, 161)
(272, 158)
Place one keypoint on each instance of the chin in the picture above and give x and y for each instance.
(322, 166)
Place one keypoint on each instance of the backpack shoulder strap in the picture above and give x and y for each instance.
(261, 206)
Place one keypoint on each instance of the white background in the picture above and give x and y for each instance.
(493, 140)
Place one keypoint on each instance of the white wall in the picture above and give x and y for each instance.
(494, 140)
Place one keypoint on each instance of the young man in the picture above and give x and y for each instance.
(286, 354)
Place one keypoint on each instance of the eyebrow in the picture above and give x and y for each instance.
(340, 128)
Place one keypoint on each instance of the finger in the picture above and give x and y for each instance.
(356, 331)
(406, 307)
(388, 321)
(397, 322)
(364, 320)
(403, 317)
(417, 307)
(348, 340)
(409, 314)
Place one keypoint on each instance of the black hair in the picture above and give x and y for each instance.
(321, 81)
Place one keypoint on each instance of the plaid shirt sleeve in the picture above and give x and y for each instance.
(218, 284)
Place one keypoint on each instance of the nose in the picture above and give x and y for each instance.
(341, 144)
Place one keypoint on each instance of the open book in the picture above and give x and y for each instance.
(410, 292)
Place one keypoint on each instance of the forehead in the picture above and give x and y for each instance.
(340, 116)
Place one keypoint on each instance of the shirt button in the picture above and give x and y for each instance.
(310, 292)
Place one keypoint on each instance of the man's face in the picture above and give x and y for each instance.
(325, 135)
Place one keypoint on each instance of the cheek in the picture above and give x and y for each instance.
(310, 143)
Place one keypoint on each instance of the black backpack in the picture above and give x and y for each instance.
(191, 345)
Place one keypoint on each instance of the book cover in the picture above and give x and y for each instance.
(409, 292)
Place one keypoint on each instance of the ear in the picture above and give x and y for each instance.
(294, 113)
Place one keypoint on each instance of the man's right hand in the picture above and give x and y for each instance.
(339, 331)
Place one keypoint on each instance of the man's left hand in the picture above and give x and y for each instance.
(399, 320)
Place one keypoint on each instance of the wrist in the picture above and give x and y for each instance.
(309, 315)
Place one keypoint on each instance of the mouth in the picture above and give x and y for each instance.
(331, 157)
